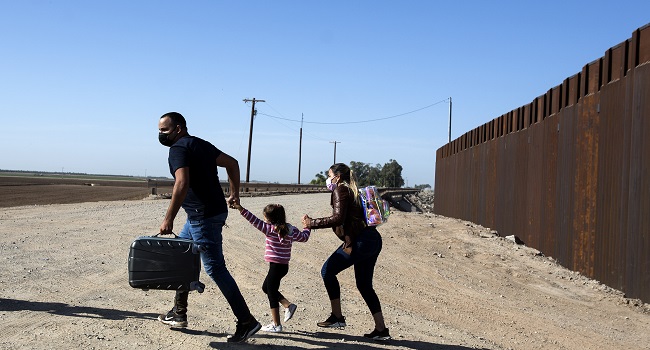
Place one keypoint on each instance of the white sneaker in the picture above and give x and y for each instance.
(272, 328)
(288, 312)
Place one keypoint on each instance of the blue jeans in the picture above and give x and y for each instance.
(365, 251)
(207, 233)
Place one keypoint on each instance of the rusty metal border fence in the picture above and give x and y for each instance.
(568, 173)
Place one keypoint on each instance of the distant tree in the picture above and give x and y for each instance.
(391, 174)
(320, 178)
(421, 187)
(361, 171)
(388, 175)
(366, 174)
(374, 176)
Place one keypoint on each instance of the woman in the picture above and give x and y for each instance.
(360, 248)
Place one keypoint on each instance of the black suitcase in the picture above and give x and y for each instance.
(165, 263)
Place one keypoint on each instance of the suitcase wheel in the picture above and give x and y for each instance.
(197, 286)
(197, 249)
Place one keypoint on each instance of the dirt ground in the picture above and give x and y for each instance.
(37, 190)
(444, 284)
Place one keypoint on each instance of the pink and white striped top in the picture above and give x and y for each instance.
(278, 249)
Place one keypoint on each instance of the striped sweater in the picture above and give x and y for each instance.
(278, 249)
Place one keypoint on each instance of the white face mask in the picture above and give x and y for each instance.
(330, 186)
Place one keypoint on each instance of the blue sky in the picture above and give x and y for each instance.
(84, 82)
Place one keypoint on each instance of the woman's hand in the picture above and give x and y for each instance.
(306, 220)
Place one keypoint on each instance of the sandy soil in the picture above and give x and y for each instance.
(444, 284)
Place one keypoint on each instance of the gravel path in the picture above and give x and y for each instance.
(443, 283)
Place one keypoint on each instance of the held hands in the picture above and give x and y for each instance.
(233, 202)
(237, 206)
(306, 220)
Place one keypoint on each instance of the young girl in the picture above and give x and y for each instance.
(279, 237)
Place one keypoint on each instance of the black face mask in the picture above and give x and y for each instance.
(164, 139)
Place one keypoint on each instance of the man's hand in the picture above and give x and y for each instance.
(233, 201)
(167, 227)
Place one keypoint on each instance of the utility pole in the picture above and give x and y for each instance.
(250, 137)
(335, 142)
(449, 119)
(302, 117)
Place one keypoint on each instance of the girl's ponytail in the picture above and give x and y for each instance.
(283, 229)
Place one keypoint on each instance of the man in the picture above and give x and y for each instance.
(193, 164)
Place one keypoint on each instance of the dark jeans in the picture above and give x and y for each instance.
(207, 233)
(364, 255)
(271, 285)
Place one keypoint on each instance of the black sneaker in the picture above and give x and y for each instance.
(378, 335)
(173, 319)
(333, 322)
(244, 330)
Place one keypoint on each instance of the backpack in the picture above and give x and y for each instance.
(375, 209)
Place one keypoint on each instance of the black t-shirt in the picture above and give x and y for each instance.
(205, 197)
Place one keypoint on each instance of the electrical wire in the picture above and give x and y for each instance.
(312, 136)
(359, 121)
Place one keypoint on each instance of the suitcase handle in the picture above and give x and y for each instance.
(196, 248)
(158, 234)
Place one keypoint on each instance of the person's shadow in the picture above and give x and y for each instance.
(320, 340)
(70, 310)
(326, 340)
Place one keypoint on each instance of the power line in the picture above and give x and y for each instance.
(362, 121)
(311, 136)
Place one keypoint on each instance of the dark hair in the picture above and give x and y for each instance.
(275, 214)
(341, 170)
(347, 177)
(176, 118)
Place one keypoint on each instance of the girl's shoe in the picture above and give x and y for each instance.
(288, 313)
(272, 328)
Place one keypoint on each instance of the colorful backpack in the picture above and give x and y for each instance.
(375, 209)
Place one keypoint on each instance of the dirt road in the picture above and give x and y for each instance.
(444, 284)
